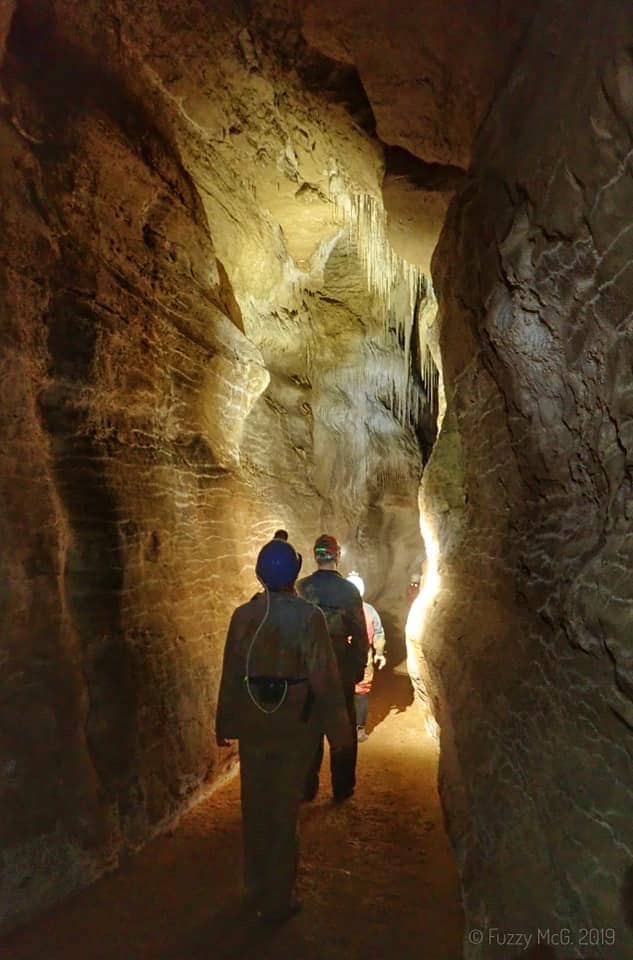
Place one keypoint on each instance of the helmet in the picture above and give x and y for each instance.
(326, 548)
(278, 564)
(358, 582)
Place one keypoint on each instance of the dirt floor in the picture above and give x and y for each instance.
(377, 875)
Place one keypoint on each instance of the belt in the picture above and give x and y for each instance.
(273, 689)
(260, 681)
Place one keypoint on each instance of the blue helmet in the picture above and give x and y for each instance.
(278, 564)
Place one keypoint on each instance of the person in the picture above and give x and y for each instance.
(376, 656)
(341, 603)
(280, 535)
(413, 587)
(279, 688)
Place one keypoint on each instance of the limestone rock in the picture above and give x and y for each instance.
(181, 373)
(207, 334)
(527, 642)
(430, 69)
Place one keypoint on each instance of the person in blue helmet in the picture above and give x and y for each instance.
(280, 687)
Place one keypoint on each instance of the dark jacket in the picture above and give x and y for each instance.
(293, 644)
(342, 605)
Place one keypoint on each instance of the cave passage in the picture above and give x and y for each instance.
(211, 334)
(377, 875)
(334, 267)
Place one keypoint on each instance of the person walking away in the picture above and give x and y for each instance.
(413, 588)
(280, 687)
(376, 656)
(341, 603)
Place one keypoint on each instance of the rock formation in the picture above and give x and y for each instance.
(528, 495)
(217, 319)
(200, 343)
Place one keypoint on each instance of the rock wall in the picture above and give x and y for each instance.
(527, 640)
(430, 69)
(205, 335)
(192, 355)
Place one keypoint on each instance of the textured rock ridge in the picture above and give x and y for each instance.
(528, 494)
(192, 355)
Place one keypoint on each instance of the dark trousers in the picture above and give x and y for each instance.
(361, 702)
(342, 762)
(272, 782)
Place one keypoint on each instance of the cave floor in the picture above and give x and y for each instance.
(377, 875)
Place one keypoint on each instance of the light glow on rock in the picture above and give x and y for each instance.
(431, 726)
(418, 614)
(386, 272)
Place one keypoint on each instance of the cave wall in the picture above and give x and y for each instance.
(429, 69)
(188, 362)
(527, 642)
(193, 355)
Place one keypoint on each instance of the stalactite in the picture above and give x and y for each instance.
(386, 273)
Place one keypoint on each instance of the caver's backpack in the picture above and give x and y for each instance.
(340, 631)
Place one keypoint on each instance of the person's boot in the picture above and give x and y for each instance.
(340, 796)
(280, 914)
(362, 734)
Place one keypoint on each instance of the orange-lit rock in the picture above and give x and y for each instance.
(207, 333)
(191, 358)
(430, 70)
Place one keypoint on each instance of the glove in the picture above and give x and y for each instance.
(380, 660)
